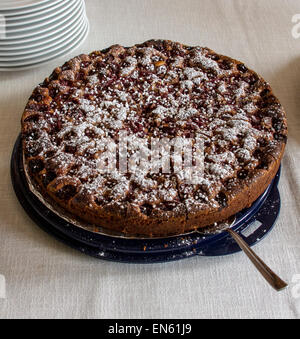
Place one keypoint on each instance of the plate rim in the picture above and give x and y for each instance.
(40, 2)
(59, 23)
(25, 10)
(45, 44)
(43, 40)
(39, 64)
(43, 19)
(74, 43)
(11, 42)
(33, 14)
(46, 50)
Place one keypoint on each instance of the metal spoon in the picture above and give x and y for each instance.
(266, 272)
(272, 278)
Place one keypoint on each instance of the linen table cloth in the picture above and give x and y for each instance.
(46, 279)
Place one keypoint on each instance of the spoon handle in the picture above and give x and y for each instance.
(266, 272)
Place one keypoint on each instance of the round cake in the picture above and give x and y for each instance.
(77, 121)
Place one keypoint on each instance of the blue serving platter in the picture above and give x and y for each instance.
(252, 224)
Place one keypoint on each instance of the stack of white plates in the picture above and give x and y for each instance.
(33, 32)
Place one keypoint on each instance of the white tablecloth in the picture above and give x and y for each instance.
(45, 278)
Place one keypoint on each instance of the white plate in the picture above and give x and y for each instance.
(34, 16)
(16, 42)
(48, 49)
(20, 23)
(38, 64)
(28, 44)
(12, 5)
(43, 44)
(31, 9)
(76, 42)
(71, 7)
(33, 33)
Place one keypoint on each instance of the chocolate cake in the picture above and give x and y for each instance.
(155, 90)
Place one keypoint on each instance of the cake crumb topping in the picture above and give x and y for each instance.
(159, 89)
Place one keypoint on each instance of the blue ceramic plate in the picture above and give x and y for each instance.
(255, 221)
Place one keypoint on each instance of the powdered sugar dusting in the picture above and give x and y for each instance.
(149, 91)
